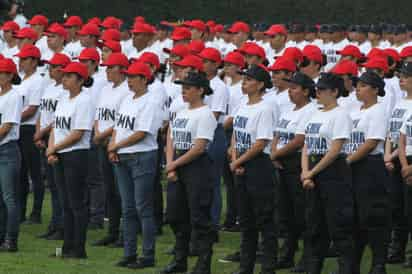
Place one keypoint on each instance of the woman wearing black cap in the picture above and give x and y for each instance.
(369, 176)
(252, 134)
(286, 154)
(405, 149)
(67, 150)
(329, 212)
(190, 186)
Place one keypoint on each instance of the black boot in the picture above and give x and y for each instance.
(177, 265)
(203, 263)
(109, 239)
(9, 246)
(287, 254)
(125, 261)
(378, 269)
(408, 262)
(58, 235)
(396, 252)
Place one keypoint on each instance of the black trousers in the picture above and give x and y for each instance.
(96, 197)
(408, 201)
(112, 195)
(330, 215)
(232, 207)
(291, 200)
(158, 190)
(71, 174)
(373, 212)
(188, 206)
(31, 166)
(256, 190)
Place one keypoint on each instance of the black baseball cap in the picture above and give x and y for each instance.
(197, 80)
(373, 79)
(377, 29)
(304, 81)
(406, 69)
(259, 73)
(329, 80)
(311, 29)
(296, 28)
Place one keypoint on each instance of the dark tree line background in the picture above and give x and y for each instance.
(225, 11)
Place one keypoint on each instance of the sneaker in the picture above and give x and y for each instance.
(231, 258)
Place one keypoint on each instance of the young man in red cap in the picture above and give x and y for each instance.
(142, 35)
(181, 35)
(9, 28)
(89, 35)
(197, 28)
(73, 46)
(56, 37)
(277, 38)
(39, 23)
(240, 33)
(313, 61)
(253, 53)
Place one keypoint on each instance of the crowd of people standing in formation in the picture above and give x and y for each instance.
(310, 128)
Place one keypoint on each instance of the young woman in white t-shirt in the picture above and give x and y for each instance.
(405, 150)
(190, 184)
(286, 155)
(68, 148)
(10, 159)
(31, 89)
(326, 178)
(108, 103)
(133, 150)
(51, 96)
(369, 177)
(253, 127)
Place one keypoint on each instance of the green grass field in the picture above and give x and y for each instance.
(33, 255)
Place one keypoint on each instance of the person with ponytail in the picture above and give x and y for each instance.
(52, 95)
(67, 150)
(10, 160)
(31, 90)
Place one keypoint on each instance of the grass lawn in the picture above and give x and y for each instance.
(33, 255)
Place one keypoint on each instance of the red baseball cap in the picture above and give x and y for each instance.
(28, 33)
(89, 54)
(345, 67)
(89, 29)
(73, 21)
(218, 28)
(110, 34)
(283, 63)
(7, 65)
(59, 59)
(293, 53)
(406, 52)
(10, 26)
(192, 61)
(39, 19)
(196, 46)
(392, 53)
(95, 20)
(113, 45)
(143, 28)
(139, 68)
(377, 63)
(376, 52)
(181, 33)
(178, 50)
(58, 30)
(117, 59)
(139, 19)
(29, 51)
(211, 54)
(211, 23)
(276, 29)
(235, 58)
(252, 48)
(150, 58)
(196, 24)
(239, 26)
(350, 50)
(111, 22)
(77, 67)
(313, 53)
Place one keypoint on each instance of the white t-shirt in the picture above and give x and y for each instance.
(219, 100)
(74, 114)
(406, 129)
(192, 124)
(108, 104)
(11, 107)
(10, 52)
(367, 124)
(398, 116)
(134, 115)
(324, 127)
(73, 49)
(158, 95)
(42, 45)
(251, 123)
(291, 122)
(31, 89)
(235, 97)
(48, 103)
(350, 103)
(282, 98)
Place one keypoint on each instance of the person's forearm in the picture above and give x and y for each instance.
(28, 113)
(328, 158)
(304, 159)
(131, 140)
(402, 151)
(5, 129)
(363, 150)
(169, 148)
(293, 146)
(70, 140)
(254, 151)
(191, 155)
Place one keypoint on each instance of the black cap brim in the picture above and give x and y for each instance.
(209, 91)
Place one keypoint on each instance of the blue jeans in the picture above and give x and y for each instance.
(10, 167)
(135, 175)
(217, 152)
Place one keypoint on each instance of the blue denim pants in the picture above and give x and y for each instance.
(135, 175)
(10, 167)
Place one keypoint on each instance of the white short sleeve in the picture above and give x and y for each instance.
(12, 114)
(342, 126)
(377, 125)
(206, 127)
(149, 119)
(84, 115)
(265, 125)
